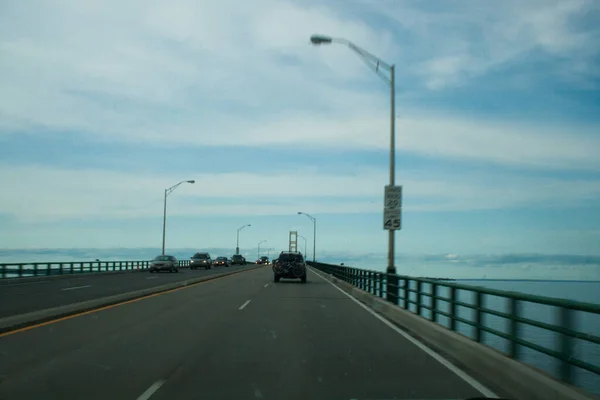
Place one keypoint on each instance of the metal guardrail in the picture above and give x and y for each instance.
(408, 293)
(26, 270)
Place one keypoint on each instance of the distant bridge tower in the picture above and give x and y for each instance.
(293, 240)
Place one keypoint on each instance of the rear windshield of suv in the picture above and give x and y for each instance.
(290, 258)
(201, 255)
(237, 257)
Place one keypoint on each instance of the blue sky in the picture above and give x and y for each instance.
(103, 104)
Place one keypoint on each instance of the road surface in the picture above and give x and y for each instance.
(20, 298)
(236, 337)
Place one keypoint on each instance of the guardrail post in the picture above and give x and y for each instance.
(566, 344)
(380, 284)
(453, 308)
(513, 327)
(49, 268)
(20, 270)
(35, 269)
(478, 315)
(361, 279)
(406, 293)
(72, 268)
(419, 284)
(3, 270)
(80, 267)
(434, 303)
(392, 288)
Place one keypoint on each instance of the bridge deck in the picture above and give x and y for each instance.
(290, 341)
(23, 297)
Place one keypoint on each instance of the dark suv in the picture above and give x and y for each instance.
(238, 259)
(289, 264)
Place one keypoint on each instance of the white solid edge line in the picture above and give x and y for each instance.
(151, 390)
(266, 284)
(460, 373)
(76, 287)
(244, 305)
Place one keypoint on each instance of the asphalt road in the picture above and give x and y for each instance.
(236, 337)
(19, 298)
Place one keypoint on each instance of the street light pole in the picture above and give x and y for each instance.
(258, 252)
(314, 220)
(237, 243)
(168, 192)
(376, 64)
(302, 237)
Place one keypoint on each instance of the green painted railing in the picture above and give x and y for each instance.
(409, 293)
(23, 270)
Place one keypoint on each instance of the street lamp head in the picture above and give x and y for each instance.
(191, 181)
(320, 39)
(300, 212)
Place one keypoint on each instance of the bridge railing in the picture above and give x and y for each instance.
(24, 270)
(507, 315)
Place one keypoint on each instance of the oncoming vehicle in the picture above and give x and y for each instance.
(201, 260)
(221, 261)
(289, 264)
(263, 260)
(164, 263)
(238, 259)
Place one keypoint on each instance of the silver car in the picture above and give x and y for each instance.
(164, 263)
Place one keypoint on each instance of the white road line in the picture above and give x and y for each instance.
(244, 305)
(266, 284)
(76, 287)
(152, 277)
(151, 390)
(460, 373)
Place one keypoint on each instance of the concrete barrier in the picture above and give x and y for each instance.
(519, 380)
(36, 317)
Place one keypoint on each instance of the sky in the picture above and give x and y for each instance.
(105, 104)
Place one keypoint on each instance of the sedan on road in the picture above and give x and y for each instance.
(164, 263)
(221, 262)
(263, 260)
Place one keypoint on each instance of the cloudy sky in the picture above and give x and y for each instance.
(104, 104)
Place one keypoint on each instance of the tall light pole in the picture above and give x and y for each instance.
(258, 251)
(376, 64)
(302, 237)
(168, 192)
(314, 220)
(237, 243)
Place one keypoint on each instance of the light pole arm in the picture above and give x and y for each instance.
(375, 63)
(170, 190)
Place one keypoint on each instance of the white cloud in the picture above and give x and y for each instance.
(472, 38)
(177, 73)
(53, 194)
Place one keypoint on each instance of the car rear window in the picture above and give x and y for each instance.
(164, 258)
(201, 255)
(290, 258)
